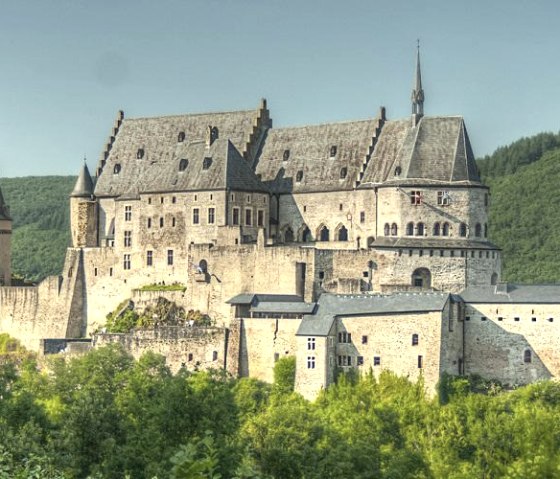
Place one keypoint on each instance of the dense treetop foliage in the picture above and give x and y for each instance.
(40, 210)
(104, 415)
(506, 160)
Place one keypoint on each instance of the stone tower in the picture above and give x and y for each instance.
(83, 211)
(5, 243)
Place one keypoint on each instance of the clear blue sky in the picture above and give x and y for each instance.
(67, 66)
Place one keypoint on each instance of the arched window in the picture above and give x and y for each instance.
(478, 230)
(422, 278)
(463, 230)
(415, 339)
(343, 234)
(181, 137)
(394, 229)
(437, 229)
(494, 279)
(387, 229)
(333, 150)
(202, 266)
(306, 235)
(117, 169)
(183, 164)
(343, 172)
(214, 133)
(140, 153)
(527, 356)
(286, 155)
(323, 234)
(445, 229)
(410, 229)
(398, 171)
(299, 176)
(420, 229)
(485, 230)
(370, 241)
(289, 235)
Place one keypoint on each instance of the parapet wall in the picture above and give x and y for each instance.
(193, 348)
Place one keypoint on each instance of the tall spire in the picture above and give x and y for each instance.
(417, 91)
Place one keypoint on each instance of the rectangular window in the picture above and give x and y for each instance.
(310, 362)
(211, 215)
(260, 218)
(415, 197)
(170, 257)
(311, 344)
(377, 360)
(344, 337)
(195, 216)
(149, 258)
(276, 357)
(214, 355)
(443, 198)
(248, 217)
(362, 216)
(128, 213)
(467, 318)
(149, 222)
(126, 261)
(420, 361)
(235, 218)
(364, 339)
(127, 239)
(360, 361)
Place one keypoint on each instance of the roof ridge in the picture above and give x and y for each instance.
(179, 115)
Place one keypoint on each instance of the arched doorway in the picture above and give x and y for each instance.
(422, 278)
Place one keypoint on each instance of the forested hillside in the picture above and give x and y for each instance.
(105, 416)
(524, 210)
(40, 209)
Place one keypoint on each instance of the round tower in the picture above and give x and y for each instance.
(5, 244)
(83, 211)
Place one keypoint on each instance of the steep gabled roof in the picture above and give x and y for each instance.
(513, 293)
(437, 149)
(158, 138)
(308, 150)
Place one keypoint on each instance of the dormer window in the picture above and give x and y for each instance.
(415, 197)
(181, 137)
(117, 169)
(398, 171)
(333, 150)
(343, 173)
(286, 155)
(140, 153)
(206, 163)
(443, 198)
(299, 176)
(183, 164)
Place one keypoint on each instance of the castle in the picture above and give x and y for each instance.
(354, 245)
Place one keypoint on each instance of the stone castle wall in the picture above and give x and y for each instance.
(193, 348)
(497, 337)
(5, 252)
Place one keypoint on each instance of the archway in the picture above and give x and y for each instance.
(422, 278)
(288, 235)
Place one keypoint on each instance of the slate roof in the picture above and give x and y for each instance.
(255, 298)
(227, 169)
(331, 306)
(158, 137)
(422, 242)
(84, 184)
(437, 149)
(310, 152)
(513, 293)
(284, 307)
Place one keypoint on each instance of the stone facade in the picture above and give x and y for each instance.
(377, 227)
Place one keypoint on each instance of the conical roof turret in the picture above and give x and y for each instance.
(84, 184)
